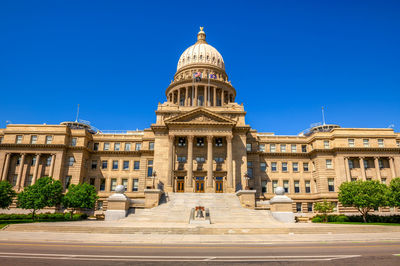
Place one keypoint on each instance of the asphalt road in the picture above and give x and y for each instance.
(44, 253)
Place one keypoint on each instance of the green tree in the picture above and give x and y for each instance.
(394, 192)
(46, 192)
(81, 196)
(363, 195)
(324, 207)
(7, 194)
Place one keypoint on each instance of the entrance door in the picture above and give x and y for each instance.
(199, 188)
(219, 186)
(180, 186)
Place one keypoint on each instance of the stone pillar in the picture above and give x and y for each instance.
(35, 171)
(170, 159)
(53, 161)
(362, 168)
(377, 168)
(210, 177)
(179, 96)
(229, 161)
(281, 206)
(118, 205)
(187, 96)
(6, 166)
(151, 198)
(222, 97)
(392, 169)
(205, 95)
(21, 168)
(346, 165)
(215, 97)
(190, 161)
(196, 88)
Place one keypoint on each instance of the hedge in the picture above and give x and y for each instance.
(358, 218)
(44, 216)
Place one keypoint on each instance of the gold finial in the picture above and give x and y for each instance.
(201, 28)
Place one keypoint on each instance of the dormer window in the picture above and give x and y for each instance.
(181, 142)
(200, 142)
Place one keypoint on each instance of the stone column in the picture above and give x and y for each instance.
(229, 161)
(6, 165)
(377, 168)
(187, 96)
(53, 161)
(210, 178)
(190, 161)
(222, 97)
(196, 88)
(170, 159)
(35, 171)
(21, 168)
(179, 96)
(215, 97)
(205, 95)
(362, 168)
(392, 169)
(346, 165)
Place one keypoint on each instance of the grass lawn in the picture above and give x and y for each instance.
(358, 223)
(23, 221)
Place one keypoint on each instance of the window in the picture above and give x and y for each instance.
(200, 159)
(49, 139)
(138, 146)
(136, 165)
(1, 140)
(293, 148)
(117, 146)
(14, 180)
(286, 185)
(18, 139)
(127, 147)
(264, 186)
(73, 142)
(310, 207)
(151, 146)
(365, 163)
(296, 186)
(106, 146)
(28, 181)
(303, 148)
(48, 161)
(283, 147)
(33, 162)
(272, 148)
(125, 165)
(263, 166)
(308, 186)
(95, 146)
(331, 185)
(250, 169)
(351, 164)
(33, 139)
(326, 144)
(398, 143)
(219, 159)
(149, 167)
(274, 185)
(182, 159)
(200, 142)
(125, 183)
(284, 167)
(248, 147)
(328, 163)
(67, 181)
(273, 167)
(366, 142)
(18, 161)
(115, 165)
(298, 206)
(94, 164)
(353, 179)
(383, 180)
(102, 184)
(380, 162)
(218, 142)
(261, 147)
(351, 142)
(295, 167)
(305, 167)
(113, 184)
(181, 142)
(92, 181)
(71, 161)
(135, 186)
(381, 144)
(104, 164)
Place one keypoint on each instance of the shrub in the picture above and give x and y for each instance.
(317, 219)
(342, 218)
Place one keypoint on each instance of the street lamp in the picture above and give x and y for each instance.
(246, 178)
(154, 177)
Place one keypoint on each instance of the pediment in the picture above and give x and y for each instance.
(200, 116)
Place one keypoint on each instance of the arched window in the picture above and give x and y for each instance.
(201, 56)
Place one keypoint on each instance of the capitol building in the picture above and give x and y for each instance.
(200, 143)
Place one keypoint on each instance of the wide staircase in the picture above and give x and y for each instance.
(224, 208)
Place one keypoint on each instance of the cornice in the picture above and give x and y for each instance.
(44, 146)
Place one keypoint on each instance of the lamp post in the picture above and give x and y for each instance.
(246, 178)
(154, 177)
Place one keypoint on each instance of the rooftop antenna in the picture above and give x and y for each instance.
(77, 114)
(323, 116)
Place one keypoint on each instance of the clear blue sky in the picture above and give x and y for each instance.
(286, 59)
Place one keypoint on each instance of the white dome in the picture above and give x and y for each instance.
(201, 53)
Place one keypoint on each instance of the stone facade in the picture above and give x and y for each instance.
(200, 142)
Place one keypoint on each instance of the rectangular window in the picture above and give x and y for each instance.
(351, 142)
(272, 148)
(127, 147)
(295, 167)
(351, 164)
(18, 161)
(328, 163)
(125, 183)
(28, 181)
(305, 167)
(273, 167)
(33, 162)
(71, 161)
(331, 185)
(151, 146)
(92, 181)
(326, 144)
(1, 140)
(293, 148)
(14, 180)
(381, 144)
(303, 148)
(18, 139)
(274, 185)
(263, 166)
(380, 162)
(250, 172)
(216, 159)
(298, 206)
(310, 207)
(283, 147)
(104, 164)
(94, 164)
(49, 139)
(106, 146)
(135, 186)
(33, 139)
(308, 186)
(296, 186)
(95, 146)
(284, 167)
(181, 142)
(113, 184)
(353, 179)
(365, 163)
(182, 159)
(398, 143)
(102, 184)
(383, 180)
(136, 165)
(115, 165)
(73, 142)
(366, 142)
(199, 142)
(150, 168)
(138, 146)
(261, 147)
(286, 185)
(218, 142)
(125, 165)
(248, 146)
(48, 161)
(117, 146)
(67, 181)
(264, 186)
